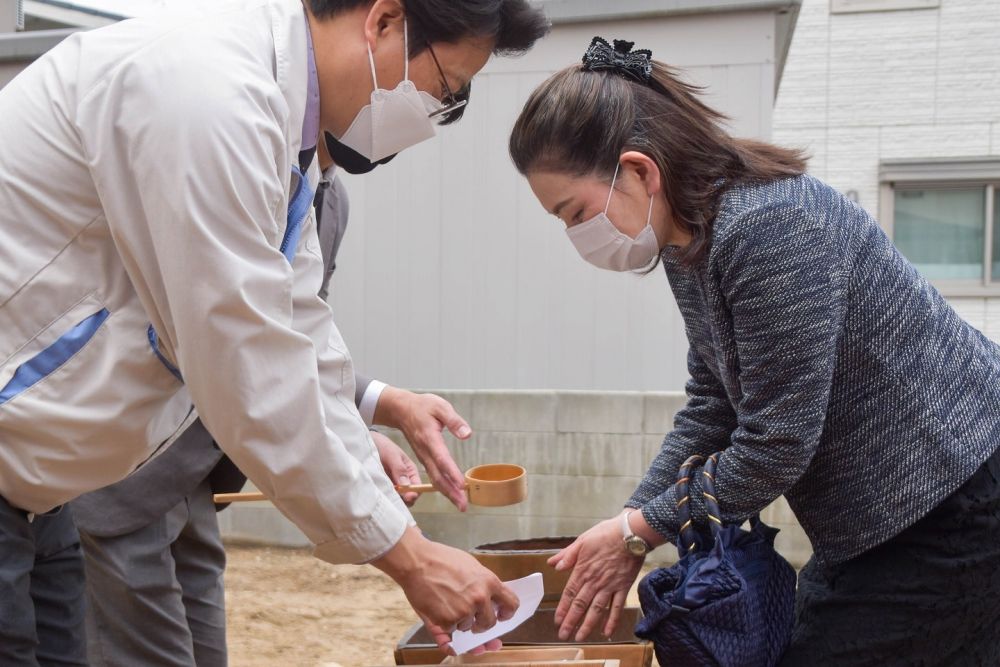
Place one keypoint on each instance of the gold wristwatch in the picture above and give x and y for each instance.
(634, 544)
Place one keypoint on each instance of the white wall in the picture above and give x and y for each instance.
(465, 282)
(860, 88)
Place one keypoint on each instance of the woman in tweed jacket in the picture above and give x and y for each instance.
(823, 366)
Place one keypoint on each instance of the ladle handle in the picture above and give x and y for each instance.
(418, 488)
(238, 497)
(248, 497)
(251, 496)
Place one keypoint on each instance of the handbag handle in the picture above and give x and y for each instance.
(686, 531)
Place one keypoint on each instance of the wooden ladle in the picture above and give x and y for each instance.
(489, 485)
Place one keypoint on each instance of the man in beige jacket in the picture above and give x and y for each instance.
(157, 251)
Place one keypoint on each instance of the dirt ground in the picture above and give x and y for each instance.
(286, 608)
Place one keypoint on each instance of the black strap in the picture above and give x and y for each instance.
(305, 158)
(321, 189)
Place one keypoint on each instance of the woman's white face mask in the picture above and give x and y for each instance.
(395, 119)
(601, 243)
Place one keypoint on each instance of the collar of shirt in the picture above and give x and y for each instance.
(310, 125)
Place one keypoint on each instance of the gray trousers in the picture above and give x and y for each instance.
(155, 596)
(41, 590)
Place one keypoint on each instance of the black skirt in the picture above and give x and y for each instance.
(928, 597)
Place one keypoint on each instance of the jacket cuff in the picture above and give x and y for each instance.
(661, 512)
(367, 540)
(397, 502)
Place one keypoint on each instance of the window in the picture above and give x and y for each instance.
(941, 230)
(996, 234)
(852, 6)
(944, 216)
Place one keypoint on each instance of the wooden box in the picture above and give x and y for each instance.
(540, 662)
(417, 647)
(518, 655)
(519, 558)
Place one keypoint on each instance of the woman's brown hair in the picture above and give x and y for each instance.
(579, 122)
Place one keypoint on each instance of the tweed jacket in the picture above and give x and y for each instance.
(827, 369)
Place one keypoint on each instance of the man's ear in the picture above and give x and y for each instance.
(645, 169)
(384, 16)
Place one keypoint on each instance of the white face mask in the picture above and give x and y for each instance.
(601, 243)
(396, 119)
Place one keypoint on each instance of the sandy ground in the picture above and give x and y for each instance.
(286, 608)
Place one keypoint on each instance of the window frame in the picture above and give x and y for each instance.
(943, 174)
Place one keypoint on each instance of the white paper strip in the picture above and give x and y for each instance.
(529, 591)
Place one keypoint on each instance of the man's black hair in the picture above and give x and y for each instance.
(513, 25)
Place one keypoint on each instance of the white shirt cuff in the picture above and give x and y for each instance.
(370, 400)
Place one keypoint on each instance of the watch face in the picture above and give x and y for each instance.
(636, 546)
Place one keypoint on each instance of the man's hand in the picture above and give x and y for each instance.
(422, 418)
(443, 639)
(447, 588)
(399, 467)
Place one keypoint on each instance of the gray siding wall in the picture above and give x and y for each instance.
(451, 275)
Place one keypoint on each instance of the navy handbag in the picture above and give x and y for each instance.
(729, 601)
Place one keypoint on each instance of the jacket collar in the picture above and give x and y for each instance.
(289, 32)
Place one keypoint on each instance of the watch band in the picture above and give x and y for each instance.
(626, 528)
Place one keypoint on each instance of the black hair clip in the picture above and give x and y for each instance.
(635, 65)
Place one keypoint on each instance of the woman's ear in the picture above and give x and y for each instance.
(383, 17)
(644, 168)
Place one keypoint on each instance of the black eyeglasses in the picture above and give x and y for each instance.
(452, 101)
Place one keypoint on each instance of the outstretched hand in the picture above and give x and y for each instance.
(603, 573)
(423, 418)
(447, 587)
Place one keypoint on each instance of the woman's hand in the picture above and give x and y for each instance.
(603, 573)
